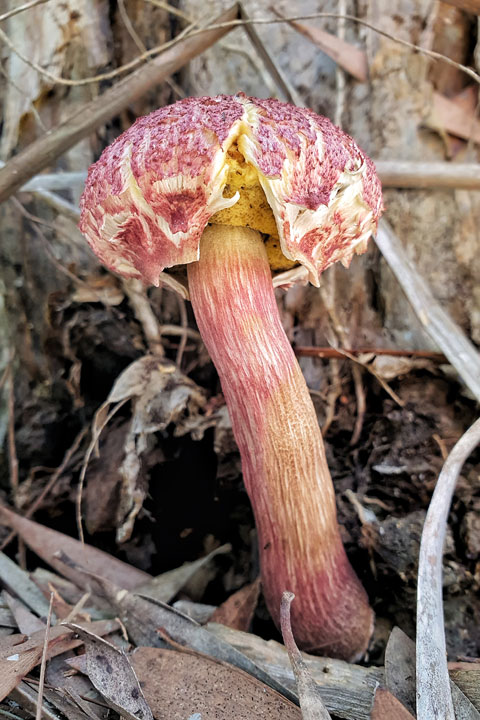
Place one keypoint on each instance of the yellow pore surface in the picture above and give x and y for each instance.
(252, 209)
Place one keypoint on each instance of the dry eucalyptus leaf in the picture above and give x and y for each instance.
(27, 622)
(387, 707)
(400, 668)
(146, 619)
(18, 581)
(164, 587)
(311, 702)
(47, 543)
(111, 673)
(238, 610)
(19, 655)
(179, 684)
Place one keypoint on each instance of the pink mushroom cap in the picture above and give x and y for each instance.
(152, 192)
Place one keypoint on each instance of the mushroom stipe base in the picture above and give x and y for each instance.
(283, 458)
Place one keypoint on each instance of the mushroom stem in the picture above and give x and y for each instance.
(283, 458)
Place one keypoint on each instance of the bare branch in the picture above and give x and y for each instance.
(402, 174)
(451, 340)
(21, 8)
(434, 699)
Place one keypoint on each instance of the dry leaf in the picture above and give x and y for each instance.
(27, 622)
(400, 668)
(18, 581)
(237, 612)
(164, 587)
(111, 673)
(147, 620)
(47, 542)
(347, 56)
(387, 707)
(347, 690)
(448, 116)
(179, 684)
(19, 656)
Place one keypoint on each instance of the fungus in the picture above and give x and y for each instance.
(235, 188)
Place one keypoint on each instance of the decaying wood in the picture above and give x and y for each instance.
(403, 174)
(467, 677)
(47, 149)
(453, 342)
(347, 690)
(434, 697)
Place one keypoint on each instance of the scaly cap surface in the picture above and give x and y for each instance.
(150, 195)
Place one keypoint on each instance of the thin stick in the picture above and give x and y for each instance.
(434, 699)
(143, 311)
(403, 174)
(49, 486)
(379, 378)
(353, 18)
(77, 608)
(47, 149)
(22, 8)
(453, 342)
(12, 450)
(329, 352)
(43, 665)
(361, 404)
(183, 339)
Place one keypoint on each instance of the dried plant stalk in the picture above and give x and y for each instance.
(434, 699)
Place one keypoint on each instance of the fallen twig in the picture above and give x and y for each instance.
(46, 149)
(143, 311)
(311, 703)
(458, 349)
(329, 352)
(289, 92)
(434, 697)
(404, 174)
(43, 664)
(21, 8)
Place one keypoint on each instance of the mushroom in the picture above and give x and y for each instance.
(235, 188)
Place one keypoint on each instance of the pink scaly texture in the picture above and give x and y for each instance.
(150, 195)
